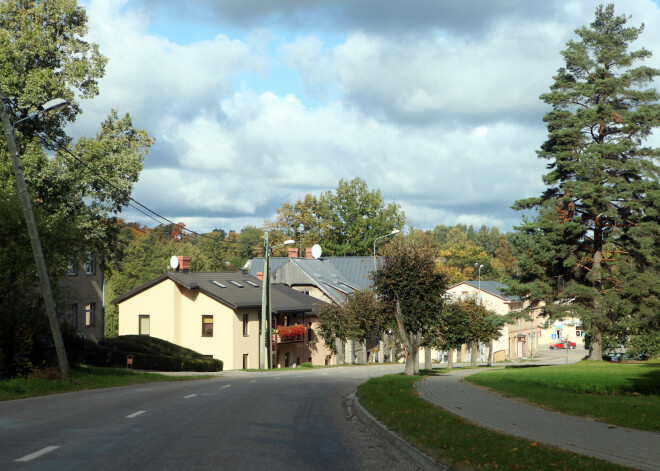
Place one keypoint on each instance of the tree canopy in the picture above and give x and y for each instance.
(344, 222)
(77, 188)
(592, 251)
(412, 290)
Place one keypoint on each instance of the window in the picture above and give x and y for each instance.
(207, 326)
(72, 315)
(89, 314)
(145, 324)
(72, 267)
(309, 331)
(305, 292)
(245, 325)
(245, 361)
(578, 331)
(89, 263)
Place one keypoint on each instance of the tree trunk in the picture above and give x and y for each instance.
(411, 342)
(490, 353)
(596, 346)
(428, 364)
(450, 358)
(596, 349)
(340, 351)
(473, 353)
(417, 340)
(363, 355)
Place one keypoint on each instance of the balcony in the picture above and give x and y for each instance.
(290, 333)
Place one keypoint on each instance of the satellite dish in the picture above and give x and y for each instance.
(174, 262)
(317, 251)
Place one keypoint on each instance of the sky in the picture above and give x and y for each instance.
(256, 103)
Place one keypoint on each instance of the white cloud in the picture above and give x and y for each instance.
(443, 120)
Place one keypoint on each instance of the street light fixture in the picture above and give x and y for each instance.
(266, 337)
(480, 267)
(46, 290)
(395, 231)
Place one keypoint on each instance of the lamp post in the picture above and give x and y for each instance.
(266, 337)
(46, 289)
(395, 231)
(479, 283)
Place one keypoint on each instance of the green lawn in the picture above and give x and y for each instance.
(83, 377)
(622, 394)
(454, 441)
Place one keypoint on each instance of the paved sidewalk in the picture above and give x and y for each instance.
(623, 446)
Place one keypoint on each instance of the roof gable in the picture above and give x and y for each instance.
(495, 288)
(237, 290)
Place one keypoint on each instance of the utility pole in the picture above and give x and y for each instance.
(264, 306)
(39, 259)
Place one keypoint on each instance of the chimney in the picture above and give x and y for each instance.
(308, 253)
(293, 252)
(184, 264)
(260, 275)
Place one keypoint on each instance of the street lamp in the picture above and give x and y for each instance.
(480, 267)
(395, 231)
(266, 327)
(46, 290)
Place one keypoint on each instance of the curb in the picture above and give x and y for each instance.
(421, 459)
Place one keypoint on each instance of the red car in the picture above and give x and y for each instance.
(562, 345)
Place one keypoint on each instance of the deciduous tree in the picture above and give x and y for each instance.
(412, 291)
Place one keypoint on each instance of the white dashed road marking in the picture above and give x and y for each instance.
(37, 454)
(226, 386)
(189, 396)
(135, 414)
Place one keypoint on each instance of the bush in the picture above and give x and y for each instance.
(307, 364)
(149, 353)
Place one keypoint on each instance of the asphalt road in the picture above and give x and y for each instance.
(238, 421)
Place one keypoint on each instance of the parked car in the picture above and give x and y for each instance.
(563, 345)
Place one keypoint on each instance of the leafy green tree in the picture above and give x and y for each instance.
(411, 290)
(593, 249)
(345, 222)
(76, 195)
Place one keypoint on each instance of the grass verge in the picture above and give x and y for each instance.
(455, 442)
(82, 377)
(622, 394)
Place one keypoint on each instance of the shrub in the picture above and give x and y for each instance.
(307, 364)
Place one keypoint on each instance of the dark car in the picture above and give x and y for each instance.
(563, 345)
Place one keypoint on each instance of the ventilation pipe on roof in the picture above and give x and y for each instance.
(293, 252)
(308, 252)
(260, 275)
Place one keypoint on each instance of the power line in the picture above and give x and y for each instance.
(48, 142)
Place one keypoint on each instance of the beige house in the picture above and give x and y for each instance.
(517, 340)
(83, 305)
(331, 280)
(216, 314)
(523, 338)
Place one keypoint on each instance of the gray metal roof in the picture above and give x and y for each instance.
(492, 287)
(241, 290)
(335, 276)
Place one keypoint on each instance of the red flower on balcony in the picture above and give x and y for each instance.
(291, 332)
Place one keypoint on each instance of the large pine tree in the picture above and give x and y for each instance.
(593, 250)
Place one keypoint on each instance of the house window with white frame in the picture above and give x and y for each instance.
(89, 263)
(145, 324)
(89, 314)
